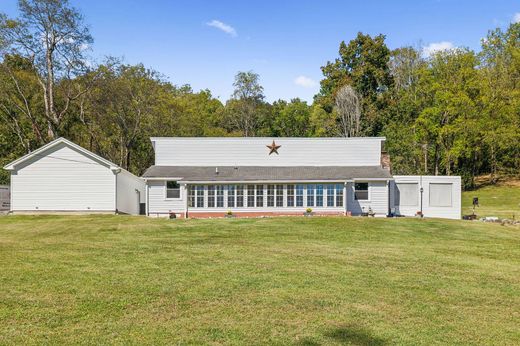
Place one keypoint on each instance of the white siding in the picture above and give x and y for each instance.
(159, 205)
(377, 199)
(62, 179)
(253, 151)
(5, 197)
(450, 212)
(128, 198)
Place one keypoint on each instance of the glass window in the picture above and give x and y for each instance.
(330, 195)
(200, 196)
(270, 195)
(440, 195)
(319, 195)
(220, 196)
(173, 189)
(339, 195)
(231, 196)
(240, 196)
(250, 195)
(279, 195)
(191, 196)
(299, 195)
(259, 195)
(310, 195)
(211, 196)
(290, 195)
(361, 191)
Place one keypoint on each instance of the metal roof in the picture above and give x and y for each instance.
(267, 173)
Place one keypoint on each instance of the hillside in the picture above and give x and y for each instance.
(502, 200)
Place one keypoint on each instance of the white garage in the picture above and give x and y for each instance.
(64, 177)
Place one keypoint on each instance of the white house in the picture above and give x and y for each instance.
(64, 177)
(204, 177)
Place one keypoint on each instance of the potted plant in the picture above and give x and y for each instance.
(173, 215)
(371, 213)
(229, 213)
(419, 214)
(308, 212)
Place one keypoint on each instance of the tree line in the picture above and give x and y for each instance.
(455, 111)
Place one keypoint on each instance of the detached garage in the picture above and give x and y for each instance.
(64, 177)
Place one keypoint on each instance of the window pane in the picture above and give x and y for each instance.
(279, 195)
(250, 195)
(200, 196)
(361, 191)
(173, 193)
(270, 195)
(240, 196)
(319, 195)
(440, 195)
(299, 195)
(220, 196)
(211, 196)
(407, 194)
(191, 196)
(259, 195)
(231, 196)
(172, 184)
(290, 195)
(310, 195)
(330, 195)
(339, 195)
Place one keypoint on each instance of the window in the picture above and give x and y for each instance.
(220, 196)
(173, 189)
(279, 195)
(259, 195)
(211, 196)
(361, 191)
(240, 196)
(231, 196)
(250, 195)
(339, 195)
(191, 196)
(299, 195)
(270, 195)
(319, 195)
(330, 195)
(406, 194)
(290, 195)
(200, 196)
(440, 195)
(310, 195)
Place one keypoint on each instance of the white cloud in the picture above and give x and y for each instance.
(305, 82)
(437, 47)
(516, 17)
(228, 29)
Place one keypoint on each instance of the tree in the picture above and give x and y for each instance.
(363, 63)
(52, 35)
(247, 99)
(348, 109)
(291, 119)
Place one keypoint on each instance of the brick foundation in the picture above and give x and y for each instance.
(205, 215)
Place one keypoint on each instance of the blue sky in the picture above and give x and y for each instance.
(204, 43)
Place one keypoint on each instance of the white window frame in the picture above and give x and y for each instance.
(166, 191)
(354, 191)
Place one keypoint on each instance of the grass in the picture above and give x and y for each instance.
(280, 281)
(502, 201)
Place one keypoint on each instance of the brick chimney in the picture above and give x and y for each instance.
(385, 160)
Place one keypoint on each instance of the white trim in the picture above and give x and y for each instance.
(153, 139)
(166, 198)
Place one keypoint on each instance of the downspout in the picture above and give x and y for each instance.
(147, 207)
(116, 172)
(421, 190)
(186, 203)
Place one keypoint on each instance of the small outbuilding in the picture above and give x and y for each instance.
(63, 177)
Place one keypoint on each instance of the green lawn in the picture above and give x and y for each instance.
(300, 281)
(501, 201)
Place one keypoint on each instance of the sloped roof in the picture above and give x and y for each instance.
(12, 165)
(270, 173)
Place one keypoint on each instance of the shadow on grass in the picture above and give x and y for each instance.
(347, 335)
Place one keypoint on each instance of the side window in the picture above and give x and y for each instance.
(361, 191)
(173, 189)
